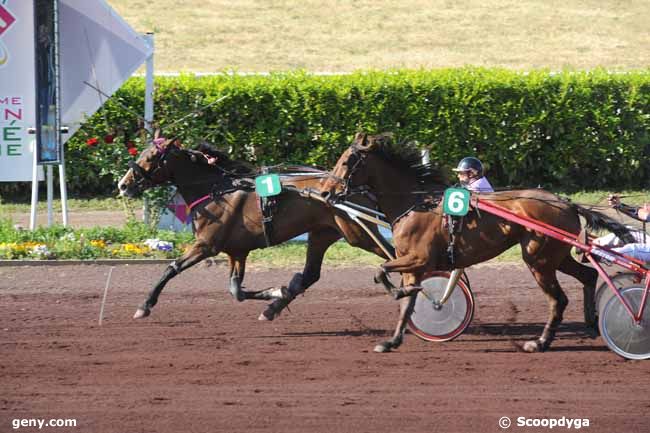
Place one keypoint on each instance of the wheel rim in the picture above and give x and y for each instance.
(604, 292)
(441, 323)
(618, 329)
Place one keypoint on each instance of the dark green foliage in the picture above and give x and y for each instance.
(570, 130)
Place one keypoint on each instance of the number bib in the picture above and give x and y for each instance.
(268, 185)
(456, 201)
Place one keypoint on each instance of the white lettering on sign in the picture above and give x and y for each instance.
(456, 202)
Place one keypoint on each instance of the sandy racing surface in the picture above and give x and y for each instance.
(204, 363)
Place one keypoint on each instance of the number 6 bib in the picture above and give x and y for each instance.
(456, 201)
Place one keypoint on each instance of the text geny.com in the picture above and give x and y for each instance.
(40, 423)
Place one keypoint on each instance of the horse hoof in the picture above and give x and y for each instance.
(266, 316)
(592, 332)
(382, 348)
(238, 295)
(141, 313)
(532, 346)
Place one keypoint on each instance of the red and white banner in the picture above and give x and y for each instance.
(17, 89)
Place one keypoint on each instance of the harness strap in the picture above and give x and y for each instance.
(451, 228)
(267, 206)
(199, 201)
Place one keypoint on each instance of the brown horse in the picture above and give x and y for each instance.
(227, 217)
(421, 238)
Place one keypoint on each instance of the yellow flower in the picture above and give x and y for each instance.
(98, 243)
(135, 249)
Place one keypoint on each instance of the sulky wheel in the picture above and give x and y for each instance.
(434, 322)
(620, 332)
(604, 292)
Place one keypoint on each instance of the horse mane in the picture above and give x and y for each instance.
(404, 156)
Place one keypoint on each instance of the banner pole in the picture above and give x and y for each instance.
(64, 191)
(59, 128)
(148, 110)
(50, 195)
(32, 216)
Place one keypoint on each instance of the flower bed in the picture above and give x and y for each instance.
(134, 240)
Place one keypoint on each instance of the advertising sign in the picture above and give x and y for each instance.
(17, 90)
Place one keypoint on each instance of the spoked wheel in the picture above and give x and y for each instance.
(620, 332)
(434, 322)
(604, 292)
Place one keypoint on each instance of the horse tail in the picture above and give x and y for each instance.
(599, 221)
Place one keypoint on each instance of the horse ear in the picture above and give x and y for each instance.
(375, 142)
(381, 140)
(360, 139)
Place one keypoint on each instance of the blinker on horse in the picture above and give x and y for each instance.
(421, 239)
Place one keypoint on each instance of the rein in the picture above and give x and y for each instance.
(199, 201)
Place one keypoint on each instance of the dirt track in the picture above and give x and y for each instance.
(203, 363)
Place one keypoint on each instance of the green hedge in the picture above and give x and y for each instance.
(569, 130)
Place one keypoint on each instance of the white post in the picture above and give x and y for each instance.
(64, 190)
(50, 194)
(60, 129)
(32, 216)
(148, 108)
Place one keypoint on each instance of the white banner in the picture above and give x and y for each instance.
(97, 47)
(17, 90)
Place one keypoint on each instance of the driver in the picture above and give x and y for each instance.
(470, 175)
(639, 250)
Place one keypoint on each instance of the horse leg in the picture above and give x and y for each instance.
(196, 253)
(317, 244)
(406, 306)
(588, 277)
(237, 271)
(557, 301)
(409, 263)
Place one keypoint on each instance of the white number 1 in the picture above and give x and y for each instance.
(269, 184)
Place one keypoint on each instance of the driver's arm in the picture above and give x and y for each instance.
(640, 213)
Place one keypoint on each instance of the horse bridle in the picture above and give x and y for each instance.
(356, 164)
(142, 176)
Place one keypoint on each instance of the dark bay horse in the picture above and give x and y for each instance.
(231, 220)
(421, 238)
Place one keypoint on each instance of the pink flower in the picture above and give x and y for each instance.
(108, 139)
(92, 142)
(130, 144)
(133, 151)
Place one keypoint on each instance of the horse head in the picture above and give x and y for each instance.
(150, 169)
(352, 167)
